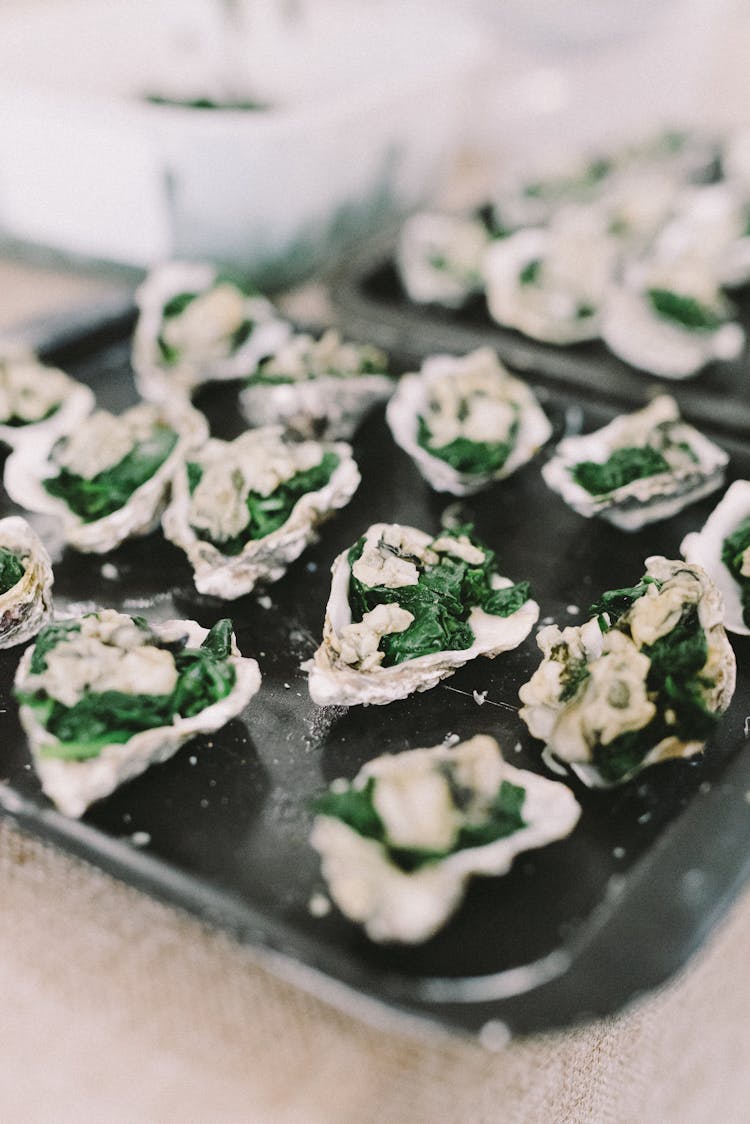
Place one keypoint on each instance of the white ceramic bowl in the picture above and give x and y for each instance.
(365, 102)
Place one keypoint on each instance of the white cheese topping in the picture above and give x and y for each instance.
(259, 461)
(30, 391)
(475, 403)
(657, 612)
(107, 654)
(390, 556)
(357, 644)
(205, 328)
(303, 357)
(460, 547)
(102, 440)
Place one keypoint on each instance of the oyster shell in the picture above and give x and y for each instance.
(600, 699)
(413, 798)
(75, 784)
(704, 548)
(320, 388)
(475, 399)
(347, 667)
(670, 319)
(38, 403)
(26, 605)
(100, 443)
(548, 283)
(533, 197)
(691, 474)
(439, 258)
(222, 332)
(259, 459)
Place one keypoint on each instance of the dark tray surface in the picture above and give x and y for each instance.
(601, 916)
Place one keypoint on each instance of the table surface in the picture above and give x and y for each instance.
(118, 1008)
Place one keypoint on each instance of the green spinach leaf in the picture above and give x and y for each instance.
(472, 457)
(12, 569)
(621, 468)
(685, 311)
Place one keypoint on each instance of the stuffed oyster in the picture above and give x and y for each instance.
(196, 326)
(439, 258)
(722, 547)
(638, 469)
(548, 282)
(109, 479)
(406, 610)
(399, 843)
(644, 680)
(466, 422)
(243, 510)
(104, 696)
(670, 319)
(25, 582)
(317, 387)
(38, 403)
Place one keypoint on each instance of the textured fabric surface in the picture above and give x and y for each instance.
(116, 1008)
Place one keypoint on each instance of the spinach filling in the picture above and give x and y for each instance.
(478, 458)
(622, 467)
(111, 489)
(174, 307)
(355, 807)
(267, 513)
(16, 420)
(732, 550)
(12, 569)
(674, 684)
(684, 311)
(263, 377)
(101, 718)
(440, 602)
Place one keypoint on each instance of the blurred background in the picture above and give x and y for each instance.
(274, 135)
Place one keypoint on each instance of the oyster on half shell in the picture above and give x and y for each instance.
(466, 422)
(88, 664)
(195, 326)
(372, 655)
(320, 388)
(439, 258)
(730, 520)
(38, 403)
(640, 468)
(644, 680)
(25, 582)
(670, 318)
(548, 283)
(109, 479)
(404, 877)
(243, 510)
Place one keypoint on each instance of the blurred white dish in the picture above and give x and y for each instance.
(365, 102)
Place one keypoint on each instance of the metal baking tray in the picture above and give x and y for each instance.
(371, 304)
(575, 930)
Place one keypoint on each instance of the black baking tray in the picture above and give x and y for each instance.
(371, 304)
(574, 930)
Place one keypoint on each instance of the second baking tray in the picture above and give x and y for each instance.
(371, 304)
(576, 929)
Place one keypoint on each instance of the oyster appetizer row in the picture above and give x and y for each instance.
(645, 679)
(104, 696)
(635, 247)
(243, 510)
(406, 610)
(399, 843)
(638, 469)
(467, 421)
(196, 327)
